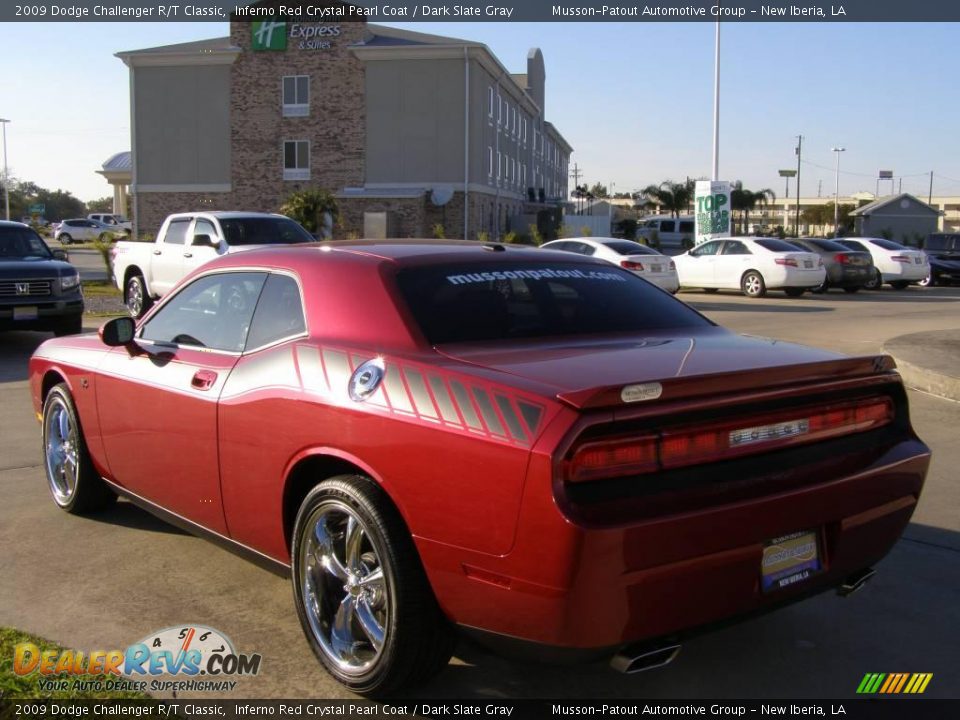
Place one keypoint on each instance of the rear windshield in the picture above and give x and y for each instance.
(626, 247)
(775, 245)
(828, 245)
(263, 231)
(889, 245)
(494, 301)
(20, 243)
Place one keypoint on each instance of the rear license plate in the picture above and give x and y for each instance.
(24, 313)
(808, 263)
(918, 260)
(655, 268)
(789, 560)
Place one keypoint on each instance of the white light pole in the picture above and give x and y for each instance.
(836, 198)
(6, 183)
(716, 105)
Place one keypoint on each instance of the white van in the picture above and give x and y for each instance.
(670, 232)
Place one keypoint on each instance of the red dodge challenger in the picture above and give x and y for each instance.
(538, 448)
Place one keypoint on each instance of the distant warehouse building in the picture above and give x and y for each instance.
(900, 217)
(407, 130)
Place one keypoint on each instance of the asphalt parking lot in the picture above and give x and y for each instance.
(107, 581)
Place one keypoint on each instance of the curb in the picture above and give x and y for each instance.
(920, 378)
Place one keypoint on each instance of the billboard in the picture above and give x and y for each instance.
(712, 209)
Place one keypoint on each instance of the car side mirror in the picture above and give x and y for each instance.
(60, 255)
(204, 241)
(118, 332)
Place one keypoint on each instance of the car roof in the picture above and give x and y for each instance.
(228, 214)
(13, 223)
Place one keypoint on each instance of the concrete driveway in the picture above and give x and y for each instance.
(107, 581)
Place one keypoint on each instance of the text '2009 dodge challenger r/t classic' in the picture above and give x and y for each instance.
(536, 447)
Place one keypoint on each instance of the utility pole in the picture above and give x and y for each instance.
(575, 174)
(930, 195)
(796, 223)
(6, 178)
(716, 105)
(819, 188)
(836, 197)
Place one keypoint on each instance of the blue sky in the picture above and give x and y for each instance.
(634, 99)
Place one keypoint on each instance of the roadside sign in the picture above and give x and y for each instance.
(712, 206)
(38, 209)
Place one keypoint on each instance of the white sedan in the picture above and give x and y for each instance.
(896, 264)
(752, 265)
(639, 259)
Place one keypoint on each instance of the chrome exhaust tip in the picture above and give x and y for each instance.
(855, 582)
(638, 658)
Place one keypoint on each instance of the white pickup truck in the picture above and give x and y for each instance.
(147, 271)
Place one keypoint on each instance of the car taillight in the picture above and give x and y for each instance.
(673, 265)
(724, 441)
(785, 261)
(613, 458)
(900, 258)
(842, 259)
(631, 265)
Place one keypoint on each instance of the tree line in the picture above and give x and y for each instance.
(58, 204)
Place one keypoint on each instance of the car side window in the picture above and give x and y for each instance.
(735, 247)
(213, 311)
(177, 232)
(205, 227)
(562, 245)
(279, 312)
(582, 248)
(708, 248)
(667, 226)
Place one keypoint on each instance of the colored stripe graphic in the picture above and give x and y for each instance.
(894, 683)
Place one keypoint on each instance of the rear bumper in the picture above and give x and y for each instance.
(576, 587)
(844, 276)
(902, 272)
(788, 277)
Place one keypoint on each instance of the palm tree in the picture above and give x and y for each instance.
(671, 196)
(746, 201)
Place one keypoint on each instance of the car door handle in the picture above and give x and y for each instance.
(158, 252)
(188, 254)
(203, 379)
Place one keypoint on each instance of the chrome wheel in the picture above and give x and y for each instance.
(135, 295)
(345, 595)
(61, 451)
(752, 285)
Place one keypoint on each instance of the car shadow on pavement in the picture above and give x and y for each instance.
(16, 347)
(126, 514)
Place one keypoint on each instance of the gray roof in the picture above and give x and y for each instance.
(383, 35)
(198, 46)
(119, 162)
(870, 208)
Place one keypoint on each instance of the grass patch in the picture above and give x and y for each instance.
(101, 288)
(13, 686)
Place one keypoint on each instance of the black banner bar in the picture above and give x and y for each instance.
(893, 708)
(484, 11)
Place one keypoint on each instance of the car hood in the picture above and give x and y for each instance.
(589, 372)
(16, 269)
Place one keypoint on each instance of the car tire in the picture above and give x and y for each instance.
(73, 326)
(135, 296)
(795, 292)
(900, 285)
(65, 239)
(752, 285)
(850, 290)
(928, 281)
(875, 283)
(74, 482)
(373, 636)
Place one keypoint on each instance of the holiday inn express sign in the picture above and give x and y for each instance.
(712, 210)
(273, 35)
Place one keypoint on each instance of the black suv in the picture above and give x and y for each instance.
(943, 251)
(39, 290)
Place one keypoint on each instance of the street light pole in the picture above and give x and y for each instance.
(716, 105)
(6, 179)
(836, 198)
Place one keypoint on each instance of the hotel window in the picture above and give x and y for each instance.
(296, 160)
(499, 165)
(489, 161)
(296, 95)
(499, 110)
(490, 102)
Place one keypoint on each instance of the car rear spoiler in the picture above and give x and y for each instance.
(741, 381)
